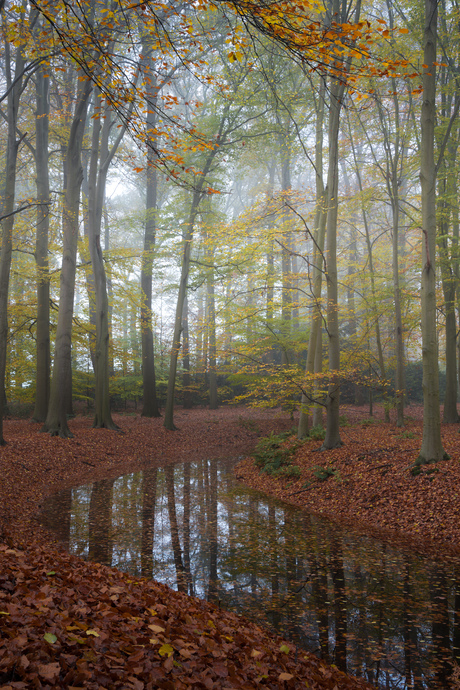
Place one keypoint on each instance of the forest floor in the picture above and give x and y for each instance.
(67, 623)
(370, 485)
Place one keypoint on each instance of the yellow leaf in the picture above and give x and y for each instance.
(284, 648)
(255, 653)
(93, 632)
(166, 650)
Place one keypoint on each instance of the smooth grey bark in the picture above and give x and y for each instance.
(43, 356)
(15, 87)
(432, 449)
(61, 389)
(150, 407)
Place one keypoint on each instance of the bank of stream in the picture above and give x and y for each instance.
(389, 616)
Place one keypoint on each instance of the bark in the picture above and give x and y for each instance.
(432, 449)
(150, 403)
(7, 207)
(332, 438)
(43, 372)
(61, 391)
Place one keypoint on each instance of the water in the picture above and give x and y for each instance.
(374, 611)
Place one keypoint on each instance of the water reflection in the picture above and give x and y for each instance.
(356, 602)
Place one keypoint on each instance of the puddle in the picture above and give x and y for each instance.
(374, 611)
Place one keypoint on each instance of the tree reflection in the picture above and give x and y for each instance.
(149, 494)
(56, 516)
(212, 531)
(180, 570)
(100, 522)
(391, 617)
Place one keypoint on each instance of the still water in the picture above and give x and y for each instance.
(376, 612)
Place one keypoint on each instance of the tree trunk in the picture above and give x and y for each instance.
(431, 449)
(314, 358)
(150, 406)
(61, 391)
(450, 281)
(183, 284)
(42, 388)
(99, 164)
(186, 379)
(211, 312)
(332, 438)
(14, 83)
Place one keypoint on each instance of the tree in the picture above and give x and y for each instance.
(15, 73)
(42, 387)
(61, 388)
(432, 449)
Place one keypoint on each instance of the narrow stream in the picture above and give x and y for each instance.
(372, 610)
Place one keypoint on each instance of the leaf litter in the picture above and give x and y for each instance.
(68, 623)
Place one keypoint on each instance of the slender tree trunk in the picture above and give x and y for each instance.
(14, 83)
(183, 284)
(211, 311)
(286, 264)
(432, 449)
(42, 388)
(314, 353)
(150, 406)
(399, 335)
(61, 391)
(99, 164)
(186, 378)
(332, 438)
(449, 285)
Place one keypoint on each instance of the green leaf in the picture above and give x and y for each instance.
(284, 648)
(49, 637)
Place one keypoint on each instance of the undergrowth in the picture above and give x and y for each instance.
(273, 455)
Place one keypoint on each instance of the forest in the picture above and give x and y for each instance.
(233, 202)
(230, 239)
